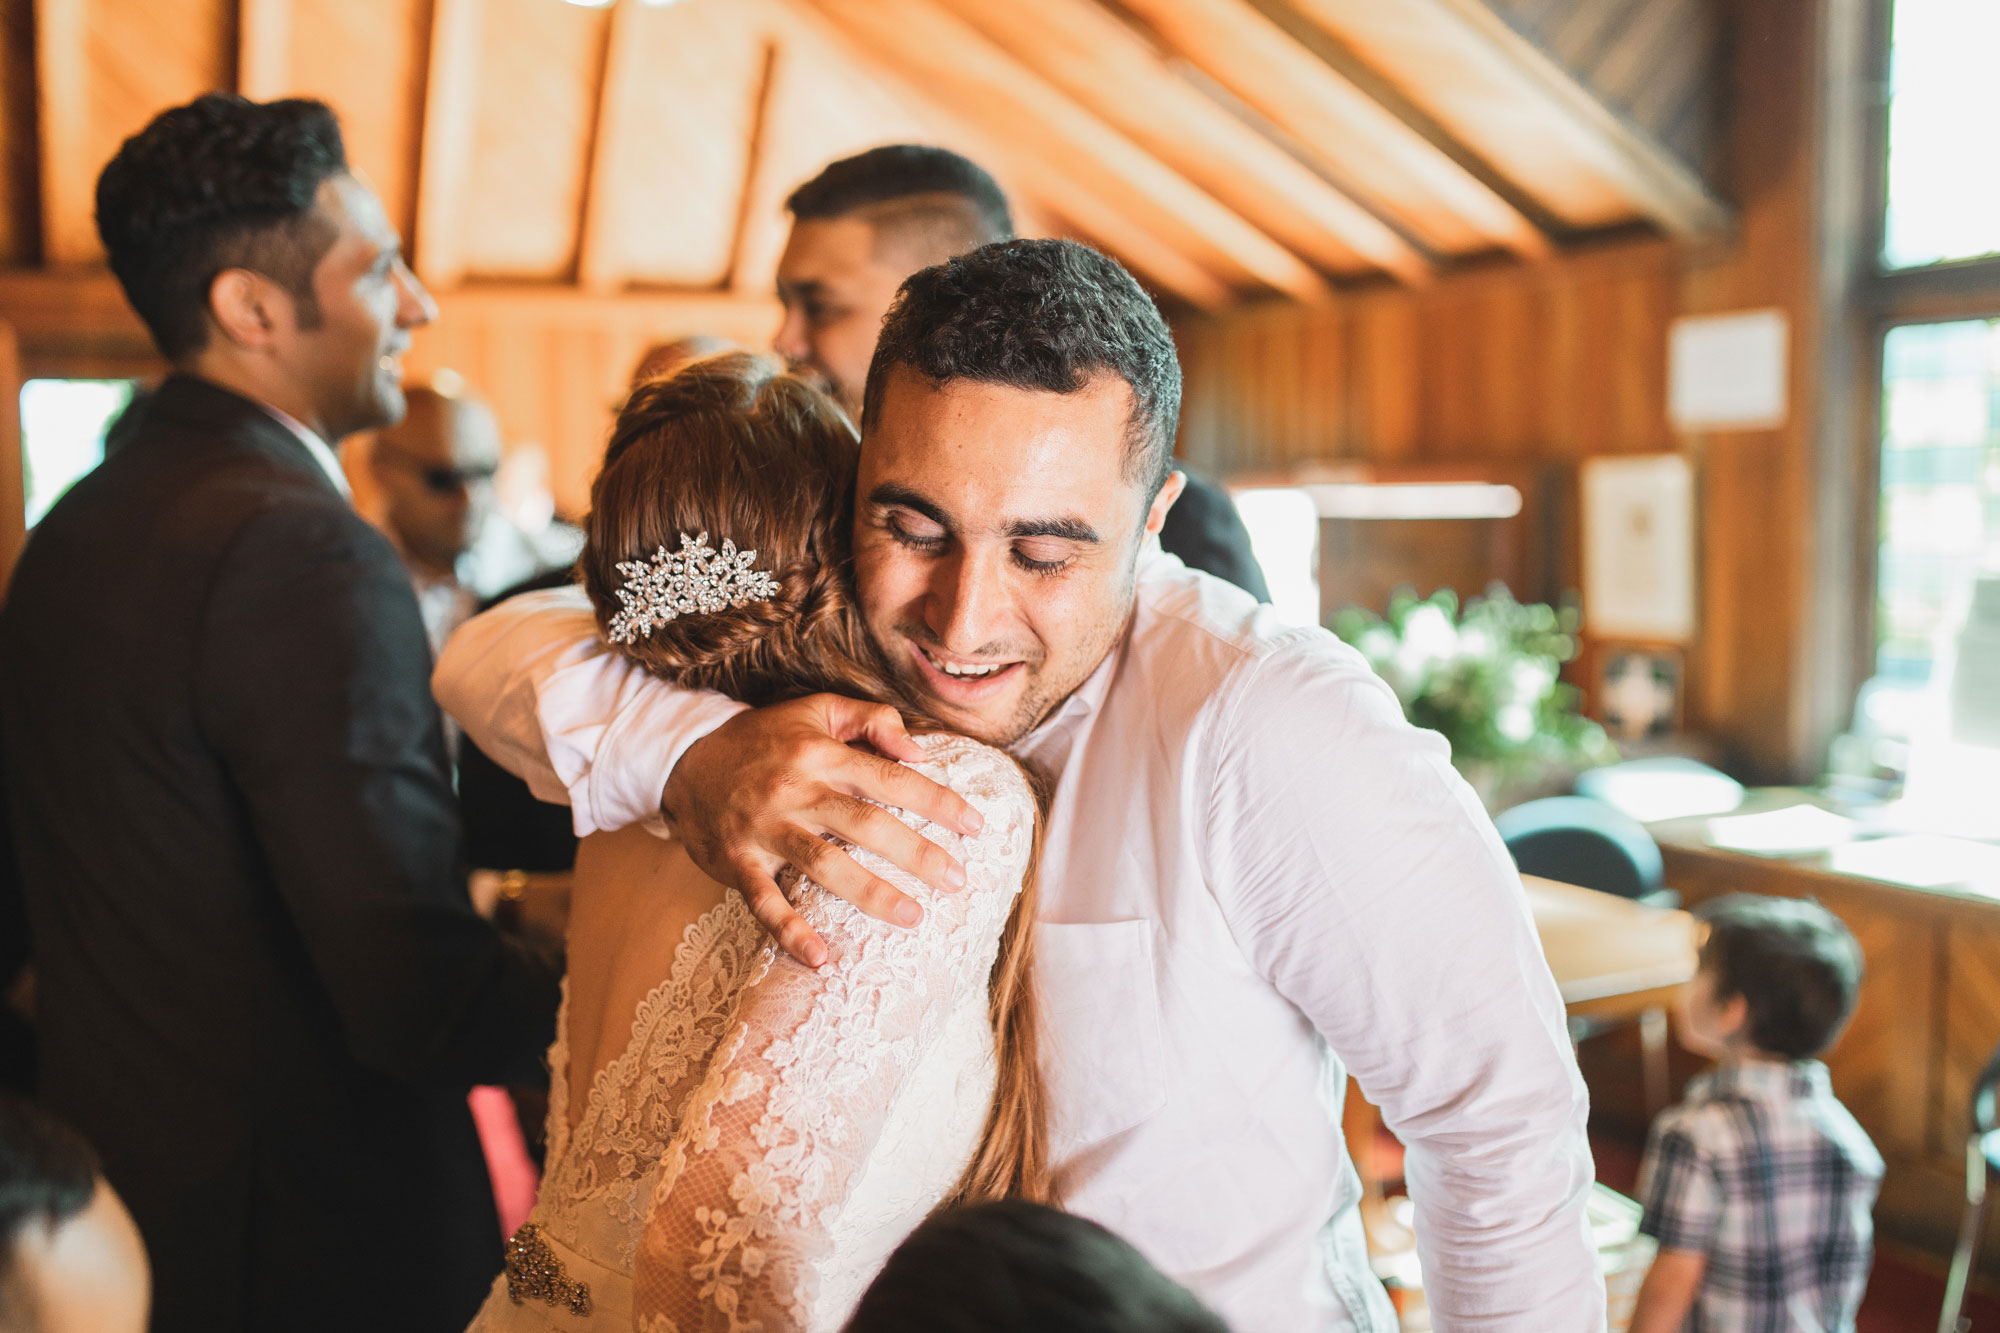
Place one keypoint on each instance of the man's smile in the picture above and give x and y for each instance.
(960, 681)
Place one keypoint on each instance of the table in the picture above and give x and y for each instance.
(1615, 961)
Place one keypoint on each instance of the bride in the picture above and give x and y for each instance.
(735, 1141)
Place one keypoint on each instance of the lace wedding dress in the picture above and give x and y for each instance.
(771, 1132)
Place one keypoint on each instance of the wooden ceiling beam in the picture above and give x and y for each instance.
(597, 267)
(451, 109)
(1105, 65)
(1405, 41)
(960, 69)
(754, 225)
(1362, 145)
(1076, 202)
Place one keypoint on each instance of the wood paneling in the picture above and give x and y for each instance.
(962, 70)
(370, 63)
(1520, 108)
(555, 363)
(1568, 359)
(20, 196)
(1653, 60)
(103, 69)
(13, 485)
(1358, 142)
(536, 100)
(682, 91)
(1113, 71)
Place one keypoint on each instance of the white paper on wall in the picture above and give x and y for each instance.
(1638, 548)
(1727, 372)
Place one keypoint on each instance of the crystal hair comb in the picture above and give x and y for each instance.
(695, 580)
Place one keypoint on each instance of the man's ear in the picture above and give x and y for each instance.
(1157, 515)
(248, 308)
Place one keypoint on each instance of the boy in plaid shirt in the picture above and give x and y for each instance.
(1758, 1186)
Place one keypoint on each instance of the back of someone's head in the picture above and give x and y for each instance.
(217, 184)
(732, 447)
(1049, 315)
(69, 1254)
(944, 202)
(1017, 1267)
(1796, 966)
(663, 359)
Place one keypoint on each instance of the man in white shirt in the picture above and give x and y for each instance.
(1257, 875)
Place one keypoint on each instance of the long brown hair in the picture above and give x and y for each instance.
(731, 446)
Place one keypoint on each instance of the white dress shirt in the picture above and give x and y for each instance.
(1257, 878)
(322, 453)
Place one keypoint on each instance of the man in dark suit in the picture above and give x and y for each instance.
(263, 991)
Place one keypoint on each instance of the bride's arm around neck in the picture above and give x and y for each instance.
(794, 1102)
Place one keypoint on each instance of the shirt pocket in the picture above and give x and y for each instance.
(1103, 1051)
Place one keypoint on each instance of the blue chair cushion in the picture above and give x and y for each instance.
(1580, 841)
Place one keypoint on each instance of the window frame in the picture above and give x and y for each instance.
(1880, 300)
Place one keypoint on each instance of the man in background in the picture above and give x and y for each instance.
(869, 221)
(435, 470)
(262, 989)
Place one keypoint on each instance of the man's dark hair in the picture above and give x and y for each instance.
(1017, 1267)
(907, 173)
(1796, 966)
(1045, 314)
(47, 1174)
(217, 184)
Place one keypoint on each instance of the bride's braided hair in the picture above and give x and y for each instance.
(732, 446)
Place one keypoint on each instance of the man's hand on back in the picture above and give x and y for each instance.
(759, 792)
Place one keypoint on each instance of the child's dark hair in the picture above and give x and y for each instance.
(1019, 1267)
(1796, 966)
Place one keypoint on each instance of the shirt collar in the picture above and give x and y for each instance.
(1767, 1081)
(322, 454)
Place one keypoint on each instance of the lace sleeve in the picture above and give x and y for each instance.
(773, 1140)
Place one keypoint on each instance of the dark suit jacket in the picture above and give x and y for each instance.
(263, 990)
(1205, 531)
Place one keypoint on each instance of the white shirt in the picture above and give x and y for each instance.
(321, 452)
(1257, 878)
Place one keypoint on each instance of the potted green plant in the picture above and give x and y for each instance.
(1487, 678)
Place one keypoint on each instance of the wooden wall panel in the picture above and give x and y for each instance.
(555, 364)
(104, 68)
(369, 62)
(20, 199)
(539, 67)
(1970, 1029)
(1568, 359)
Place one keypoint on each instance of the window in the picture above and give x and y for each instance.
(1944, 117)
(63, 423)
(1939, 523)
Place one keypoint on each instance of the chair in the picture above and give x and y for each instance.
(1982, 1163)
(1581, 841)
(1585, 842)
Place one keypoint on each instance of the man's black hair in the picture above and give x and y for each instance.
(1052, 315)
(1796, 966)
(1017, 1267)
(906, 171)
(47, 1175)
(217, 184)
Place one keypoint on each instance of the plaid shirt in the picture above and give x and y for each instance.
(1762, 1171)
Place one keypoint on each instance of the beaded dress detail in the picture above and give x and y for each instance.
(771, 1132)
